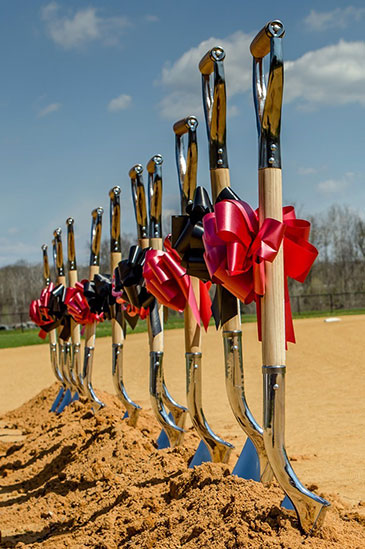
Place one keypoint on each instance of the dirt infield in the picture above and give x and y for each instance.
(325, 414)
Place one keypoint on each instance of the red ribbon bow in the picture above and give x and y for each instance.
(236, 250)
(39, 312)
(168, 281)
(78, 306)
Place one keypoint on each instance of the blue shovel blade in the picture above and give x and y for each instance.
(287, 504)
(162, 441)
(126, 416)
(57, 400)
(75, 397)
(65, 402)
(248, 464)
(201, 455)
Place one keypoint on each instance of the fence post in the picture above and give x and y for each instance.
(21, 322)
(331, 303)
(298, 304)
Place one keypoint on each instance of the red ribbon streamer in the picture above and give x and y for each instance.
(236, 250)
(78, 306)
(168, 281)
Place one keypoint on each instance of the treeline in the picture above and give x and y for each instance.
(338, 233)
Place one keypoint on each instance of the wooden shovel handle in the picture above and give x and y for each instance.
(75, 330)
(272, 304)
(117, 331)
(219, 179)
(192, 328)
(90, 329)
(156, 342)
(143, 243)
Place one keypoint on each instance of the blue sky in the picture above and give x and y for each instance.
(89, 88)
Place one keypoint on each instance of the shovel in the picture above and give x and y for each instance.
(253, 461)
(309, 507)
(65, 357)
(211, 447)
(75, 371)
(132, 409)
(172, 433)
(90, 329)
(52, 337)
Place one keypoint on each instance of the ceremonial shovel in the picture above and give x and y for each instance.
(65, 347)
(132, 409)
(309, 507)
(211, 447)
(253, 461)
(75, 372)
(90, 329)
(171, 425)
(52, 335)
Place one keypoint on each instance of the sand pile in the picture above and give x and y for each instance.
(79, 480)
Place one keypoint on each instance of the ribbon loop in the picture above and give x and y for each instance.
(236, 250)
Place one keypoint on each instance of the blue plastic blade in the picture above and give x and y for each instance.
(57, 400)
(287, 504)
(248, 464)
(201, 455)
(65, 402)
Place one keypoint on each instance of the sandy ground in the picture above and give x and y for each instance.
(325, 406)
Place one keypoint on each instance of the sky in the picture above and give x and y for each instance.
(90, 88)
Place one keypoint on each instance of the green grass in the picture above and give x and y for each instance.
(16, 338)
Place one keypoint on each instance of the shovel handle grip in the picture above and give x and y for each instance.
(272, 304)
(260, 45)
(192, 328)
(46, 270)
(206, 65)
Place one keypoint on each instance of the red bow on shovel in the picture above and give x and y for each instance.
(236, 251)
(78, 306)
(168, 281)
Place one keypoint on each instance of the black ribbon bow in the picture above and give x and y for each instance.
(58, 311)
(98, 293)
(129, 280)
(187, 233)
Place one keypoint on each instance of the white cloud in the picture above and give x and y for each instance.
(339, 18)
(120, 103)
(307, 171)
(182, 79)
(151, 18)
(52, 107)
(336, 185)
(83, 26)
(333, 75)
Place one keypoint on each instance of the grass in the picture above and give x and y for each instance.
(17, 338)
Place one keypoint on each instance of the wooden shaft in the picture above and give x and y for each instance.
(75, 328)
(156, 343)
(61, 280)
(273, 302)
(192, 328)
(117, 331)
(52, 337)
(90, 329)
(219, 180)
(144, 243)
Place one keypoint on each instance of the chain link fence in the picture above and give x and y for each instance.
(300, 304)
